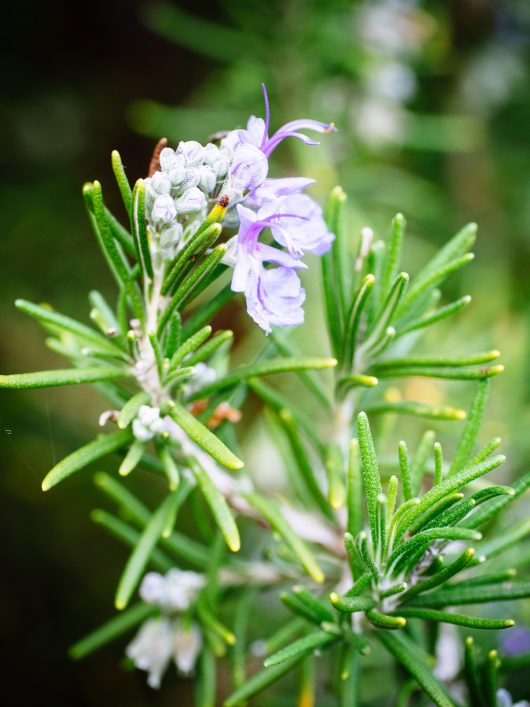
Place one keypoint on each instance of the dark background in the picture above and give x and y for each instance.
(82, 79)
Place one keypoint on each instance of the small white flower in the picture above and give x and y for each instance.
(192, 200)
(163, 210)
(152, 649)
(161, 183)
(190, 179)
(192, 151)
(188, 644)
(147, 423)
(173, 593)
(152, 588)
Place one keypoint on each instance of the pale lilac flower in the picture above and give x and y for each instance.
(297, 222)
(174, 592)
(275, 298)
(187, 646)
(152, 649)
(273, 189)
(257, 131)
(248, 169)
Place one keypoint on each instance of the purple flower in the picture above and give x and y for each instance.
(274, 296)
(257, 132)
(297, 223)
(273, 189)
(249, 168)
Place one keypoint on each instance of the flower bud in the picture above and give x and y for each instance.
(168, 159)
(163, 210)
(192, 200)
(192, 151)
(207, 179)
(161, 183)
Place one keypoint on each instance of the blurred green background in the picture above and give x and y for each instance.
(432, 104)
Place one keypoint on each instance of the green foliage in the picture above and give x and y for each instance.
(365, 544)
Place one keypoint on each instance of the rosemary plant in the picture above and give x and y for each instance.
(368, 555)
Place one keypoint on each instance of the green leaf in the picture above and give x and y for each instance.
(493, 508)
(208, 349)
(385, 621)
(354, 499)
(421, 540)
(54, 320)
(135, 567)
(190, 344)
(407, 407)
(438, 361)
(331, 279)
(207, 311)
(305, 645)
(392, 256)
(100, 447)
(278, 523)
(419, 460)
(469, 434)
(354, 320)
(181, 546)
(243, 609)
(218, 506)
(350, 605)
(111, 250)
(472, 675)
(204, 438)
(388, 312)
(404, 651)
(456, 482)
(202, 270)
(312, 602)
(111, 630)
(457, 619)
(336, 476)
(437, 316)
(123, 182)
(140, 227)
(440, 577)
(130, 409)
(370, 472)
(309, 378)
(66, 376)
(405, 470)
(206, 680)
(130, 536)
(197, 245)
(507, 539)
(266, 367)
(420, 287)
(132, 458)
(463, 594)
(258, 682)
(303, 464)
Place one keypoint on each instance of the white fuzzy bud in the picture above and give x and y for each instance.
(169, 159)
(192, 151)
(161, 183)
(192, 200)
(207, 179)
(163, 210)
